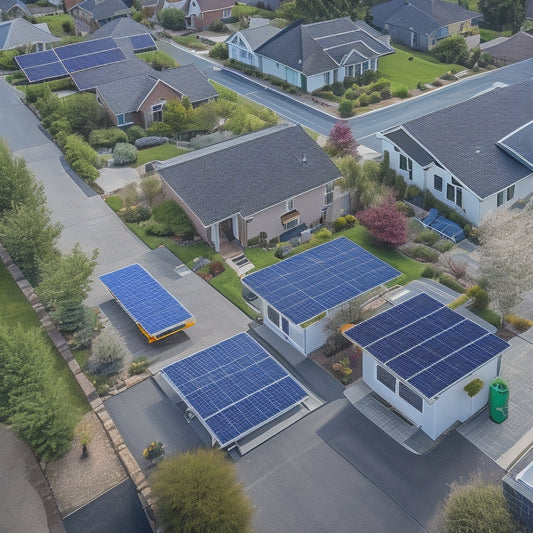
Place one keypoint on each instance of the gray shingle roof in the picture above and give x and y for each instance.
(519, 144)
(121, 27)
(18, 32)
(7, 5)
(212, 5)
(105, 9)
(188, 80)
(319, 47)
(248, 174)
(255, 37)
(464, 137)
(406, 143)
(516, 48)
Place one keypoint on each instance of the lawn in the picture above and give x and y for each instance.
(397, 68)
(157, 153)
(157, 57)
(190, 41)
(55, 23)
(15, 309)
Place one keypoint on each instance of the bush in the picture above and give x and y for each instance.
(216, 268)
(124, 154)
(458, 302)
(339, 224)
(76, 148)
(171, 215)
(350, 94)
(480, 298)
(134, 133)
(421, 86)
(7, 60)
(437, 83)
(338, 88)
(368, 77)
(412, 192)
(172, 19)
(385, 94)
(451, 283)
(107, 138)
(350, 221)
(443, 245)
(375, 97)
(427, 236)
(85, 170)
(400, 91)
(218, 26)
(107, 353)
(519, 323)
(348, 81)
(219, 51)
(138, 366)
(405, 209)
(149, 142)
(159, 129)
(452, 49)
(320, 236)
(364, 100)
(134, 214)
(157, 228)
(425, 254)
(429, 272)
(346, 108)
(68, 26)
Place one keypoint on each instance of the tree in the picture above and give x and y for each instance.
(83, 113)
(198, 491)
(172, 19)
(175, 115)
(219, 51)
(363, 191)
(452, 49)
(341, 141)
(506, 239)
(501, 14)
(108, 351)
(350, 313)
(385, 222)
(151, 187)
(477, 507)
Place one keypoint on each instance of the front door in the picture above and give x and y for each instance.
(226, 228)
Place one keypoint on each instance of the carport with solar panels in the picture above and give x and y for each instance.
(236, 388)
(295, 294)
(420, 355)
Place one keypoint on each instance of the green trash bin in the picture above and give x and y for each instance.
(498, 400)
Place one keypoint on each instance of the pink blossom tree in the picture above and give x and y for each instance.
(341, 141)
(385, 222)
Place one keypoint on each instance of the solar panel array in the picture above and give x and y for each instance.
(62, 61)
(147, 302)
(426, 344)
(305, 285)
(142, 42)
(234, 387)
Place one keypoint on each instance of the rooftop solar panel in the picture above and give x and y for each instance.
(319, 279)
(234, 387)
(426, 344)
(142, 42)
(97, 59)
(85, 47)
(36, 59)
(45, 72)
(157, 312)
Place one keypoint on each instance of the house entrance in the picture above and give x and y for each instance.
(226, 229)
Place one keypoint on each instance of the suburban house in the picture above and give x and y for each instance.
(474, 156)
(138, 99)
(243, 43)
(199, 14)
(310, 56)
(10, 9)
(19, 32)
(90, 15)
(512, 49)
(298, 295)
(421, 357)
(266, 182)
(120, 28)
(421, 24)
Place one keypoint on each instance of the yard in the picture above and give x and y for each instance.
(55, 23)
(422, 68)
(157, 153)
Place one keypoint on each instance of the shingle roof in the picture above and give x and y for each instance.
(406, 143)
(18, 32)
(188, 80)
(319, 47)
(104, 9)
(255, 37)
(212, 5)
(120, 27)
(248, 174)
(7, 5)
(519, 144)
(516, 48)
(464, 137)
(424, 16)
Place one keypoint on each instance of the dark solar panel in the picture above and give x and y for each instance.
(36, 59)
(45, 72)
(94, 60)
(142, 42)
(86, 47)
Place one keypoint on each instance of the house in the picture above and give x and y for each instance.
(421, 24)
(266, 182)
(474, 156)
(512, 49)
(297, 295)
(90, 15)
(243, 43)
(138, 99)
(120, 28)
(200, 14)
(19, 32)
(10, 9)
(420, 355)
(310, 56)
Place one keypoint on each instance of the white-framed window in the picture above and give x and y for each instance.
(385, 377)
(121, 119)
(437, 183)
(327, 78)
(290, 204)
(454, 192)
(226, 13)
(505, 196)
(157, 112)
(328, 197)
(410, 396)
(291, 223)
(406, 163)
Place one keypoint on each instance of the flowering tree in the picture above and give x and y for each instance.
(341, 141)
(385, 222)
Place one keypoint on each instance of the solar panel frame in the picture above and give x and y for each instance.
(234, 387)
(36, 59)
(142, 42)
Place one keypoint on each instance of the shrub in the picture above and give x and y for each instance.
(437, 83)
(350, 221)
(429, 272)
(279, 253)
(171, 215)
(427, 236)
(216, 268)
(458, 302)
(443, 245)
(107, 138)
(320, 236)
(134, 133)
(480, 298)
(219, 51)
(451, 283)
(350, 94)
(385, 94)
(134, 214)
(348, 81)
(124, 154)
(405, 209)
(421, 86)
(346, 108)
(85, 170)
(76, 148)
(400, 91)
(159, 129)
(519, 323)
(7, 60)
(149, 142)
(364, 100)
(368, 77)
(107, 352)
(138, 366)
(339, 224)
(413, 192)
(226, 94)
(423, 253)
(171, 18)
(68, 26)
(157, 228)
(375, 97)
(217, 26)
(452, 49)
(338, 88)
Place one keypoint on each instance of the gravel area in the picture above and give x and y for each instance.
(75, 481)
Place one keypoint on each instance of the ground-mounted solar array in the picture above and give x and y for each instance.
(305, 285)
(426, 344)
(157, 312)
(63, 60)
(234, 387)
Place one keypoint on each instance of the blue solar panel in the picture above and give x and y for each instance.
(45, 72)
(234, 387)
(142, 42)
(319, 279)
(426, 343)
(94, 60)
(36, 59)
(148, 303)
(86, 47)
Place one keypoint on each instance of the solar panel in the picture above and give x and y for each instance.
(97, 59)
(45, 72)
(234, 387)
(319, 279)
(142, 42)
(85, 48)
(36, 59)
(156, 312)
(426, 344)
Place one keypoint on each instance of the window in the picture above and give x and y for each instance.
(450, 192)
(459, 196)
(273, 315)
(328, 198)
(499, 199)
(454, 193)
(290, 204)
(510, 193)
(410, 396)
(121, 119)
(406, 164)
(243, 54)
(437, 183)
(157, 112)
(291, 223)
(385, 377)
(226, 13)
(326, 78)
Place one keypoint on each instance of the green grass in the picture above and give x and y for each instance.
(261, 258)
(158, 153)
(487, 35)
(229, 285)
(312, 133)
(491, 317)
(114, 202)
(159, 58)
(15, 309)
(191, 42)
(397, 68)
(55, 23)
